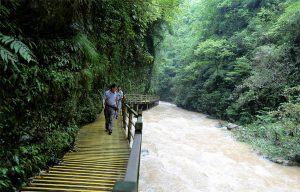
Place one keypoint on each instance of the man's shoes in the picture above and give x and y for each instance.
(110, 132)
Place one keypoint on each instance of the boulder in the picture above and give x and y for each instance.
(231, 126)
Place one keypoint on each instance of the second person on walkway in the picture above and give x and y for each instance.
(119, 100)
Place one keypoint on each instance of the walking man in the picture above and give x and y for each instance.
(119, 100)
(110, 107)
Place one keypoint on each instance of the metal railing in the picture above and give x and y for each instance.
(128, 123)
(130, 183)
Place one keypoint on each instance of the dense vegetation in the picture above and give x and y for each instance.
(233, 59)
(238, 60)
(56, 58)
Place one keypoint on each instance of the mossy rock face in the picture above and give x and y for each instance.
(57, 58)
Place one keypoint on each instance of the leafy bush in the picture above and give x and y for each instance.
(277, 133)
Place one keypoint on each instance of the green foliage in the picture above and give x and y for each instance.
(241, 69)
(238, 61)
(214, 50)
(88, 48)
(18, 48)
(7, 56)
(56, 59)
(276, 134)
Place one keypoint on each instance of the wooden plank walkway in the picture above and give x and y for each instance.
(96, 163)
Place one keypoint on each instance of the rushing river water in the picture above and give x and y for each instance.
(183, 151)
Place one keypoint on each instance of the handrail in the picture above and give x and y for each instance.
(137, 98)
(131, 110)
(130, 183)
(130, 101)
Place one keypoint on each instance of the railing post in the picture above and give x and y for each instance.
(124, 112)
(139, 123)
(129, 127)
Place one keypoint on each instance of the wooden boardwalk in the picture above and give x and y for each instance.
(96, 163)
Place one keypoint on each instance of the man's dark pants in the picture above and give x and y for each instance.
(109, 114)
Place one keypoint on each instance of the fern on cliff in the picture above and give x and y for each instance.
(11, 49)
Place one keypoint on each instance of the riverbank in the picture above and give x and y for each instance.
(270, 140)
